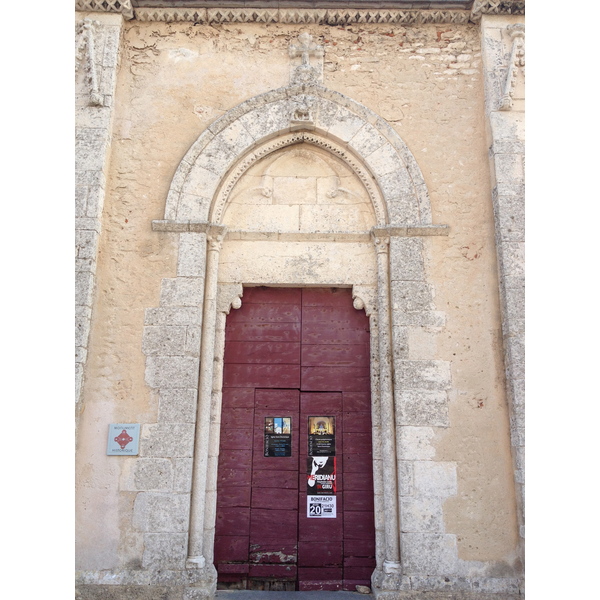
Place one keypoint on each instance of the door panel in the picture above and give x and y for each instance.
(294, 353)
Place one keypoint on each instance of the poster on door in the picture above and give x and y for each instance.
(321, 507)
(278, 436)
(321, 436)
(321, 475)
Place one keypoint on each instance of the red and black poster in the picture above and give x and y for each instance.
(321, 475)
(321, 465)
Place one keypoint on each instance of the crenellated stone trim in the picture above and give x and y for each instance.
(114, 6)
(304, 16)
(496, 7)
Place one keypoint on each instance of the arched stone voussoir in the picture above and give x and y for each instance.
(359, 135)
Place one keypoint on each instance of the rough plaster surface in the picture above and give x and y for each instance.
(174, 80)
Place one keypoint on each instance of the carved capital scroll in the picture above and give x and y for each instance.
(85, 47)
(516, 61)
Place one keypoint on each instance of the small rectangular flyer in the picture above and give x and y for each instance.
(321, 436)
(123, 439)
(278, 436)
(321, 507)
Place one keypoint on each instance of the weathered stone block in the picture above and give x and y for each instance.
(366, 140)
(435, 479)
(384, 160)
(200, 182)
(192, 255)
(424, 203)
(81, 193)
(429, 553)
(431, 318)
(346, 125)
(421, 515)
(192, 341)
(495, 585)
(423, 374)
(161, 512)
(410, 296)
(153, 474)
(400, 343)
(94, 201)
(515, 349)
(509, 167)
(164, 551)
(510, 217)
(406, 259)
(414, 443)
(91, 146)
(326, 114)
(440, 584)
(84, 288)
(405, 477)
(514, 303)
(173, 316)
(182, 477)
(82, 331)
(397, 185)
(182, 291)
(172, 371)
(177, 406)
(267, 119)
(423, 408)
(191, 207)
(167, 440)
(164, 340)
(80, 354)
(403, 209)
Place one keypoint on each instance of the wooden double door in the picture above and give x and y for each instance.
(295, 359)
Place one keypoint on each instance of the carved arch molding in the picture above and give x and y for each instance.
(195, 205)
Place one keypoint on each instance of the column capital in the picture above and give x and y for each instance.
(215, 234)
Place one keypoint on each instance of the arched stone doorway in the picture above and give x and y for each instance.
(273, 195)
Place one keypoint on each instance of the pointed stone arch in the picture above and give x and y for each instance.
(312, 114)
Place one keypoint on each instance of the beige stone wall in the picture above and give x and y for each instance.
(426, 81)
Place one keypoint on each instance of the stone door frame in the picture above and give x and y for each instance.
(195, 304)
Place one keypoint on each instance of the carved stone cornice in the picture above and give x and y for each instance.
(496, 7)
(111, 6)
(353, 11)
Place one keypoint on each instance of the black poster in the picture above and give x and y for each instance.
(278, 436)
(321, 436)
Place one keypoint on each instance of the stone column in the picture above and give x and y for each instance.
(391, 576)
(196, 558)
(229, 296)
(98, 47)
(503, 52)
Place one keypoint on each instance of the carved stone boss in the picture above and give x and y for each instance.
(305, 72)
(517, 59)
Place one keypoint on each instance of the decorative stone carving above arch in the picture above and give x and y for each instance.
(265, 123)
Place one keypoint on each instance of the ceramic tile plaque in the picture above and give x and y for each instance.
(123, 439)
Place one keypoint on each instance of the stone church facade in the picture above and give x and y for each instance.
(229, 151)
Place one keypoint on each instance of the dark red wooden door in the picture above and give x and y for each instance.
(294, 353)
